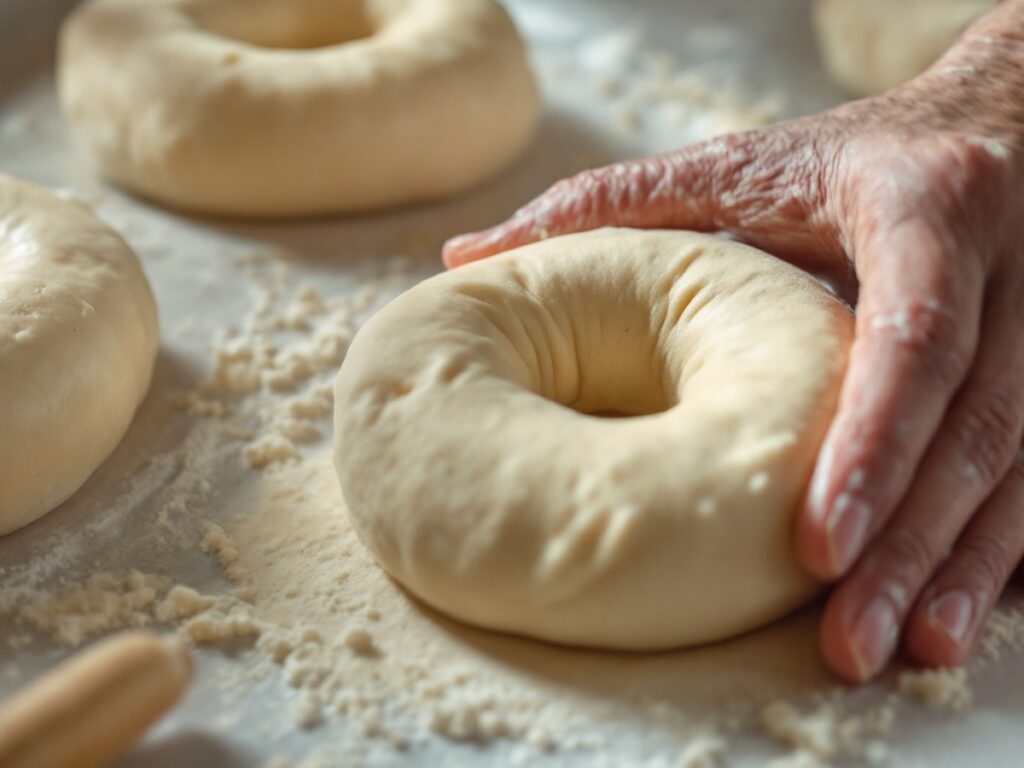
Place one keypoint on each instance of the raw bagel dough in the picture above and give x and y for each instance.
(474, 475)
(271, 108)
(78, 337)
(871, 46)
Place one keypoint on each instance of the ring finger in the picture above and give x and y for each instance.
(952, 610)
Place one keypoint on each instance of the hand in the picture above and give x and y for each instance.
(913, 200)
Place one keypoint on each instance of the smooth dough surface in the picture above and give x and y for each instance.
(296, 107)
(78, 337)
(482, 468)
(871, 46)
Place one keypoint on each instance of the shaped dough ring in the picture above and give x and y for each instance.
(78, 337)
(478, 472)
(296, 107)
(870, 46)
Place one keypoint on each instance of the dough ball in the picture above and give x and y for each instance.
(870, 46)
(78, 338)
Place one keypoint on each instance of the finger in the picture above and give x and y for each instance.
(947, 620)
(917, 329)
(765, 185)
(968, 458)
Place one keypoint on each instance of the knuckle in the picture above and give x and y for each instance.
(986, 562)
(571, 204)
(982, 159)
(947, 174)
(931, 335)
(823, 170)
(906, 552)
(988, 433)
(965, 175)
(1016, 471)
(884, 445)
(933, 328)
(962, 164)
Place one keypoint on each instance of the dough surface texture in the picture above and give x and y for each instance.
(78, 337)
(870, 46)
(296, 107)
(482, 466)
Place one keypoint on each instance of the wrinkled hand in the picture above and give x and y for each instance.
(915, 201)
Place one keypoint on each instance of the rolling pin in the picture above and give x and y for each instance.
(94, 706)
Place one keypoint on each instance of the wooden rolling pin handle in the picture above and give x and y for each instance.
(91, 708)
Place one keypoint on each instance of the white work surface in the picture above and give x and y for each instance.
(765, 47)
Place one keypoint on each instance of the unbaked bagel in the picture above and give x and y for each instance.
(296, 107)
(78, 337)
(870, 46)
(482, 468)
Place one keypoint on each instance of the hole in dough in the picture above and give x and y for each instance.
(289, 24)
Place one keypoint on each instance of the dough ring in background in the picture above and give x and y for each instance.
(474, 474)
(78, 337)
(870, 46)
(296, 107)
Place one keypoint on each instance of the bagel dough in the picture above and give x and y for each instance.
(871, 46)
(296, 107)
(482, 466)
(78, 337)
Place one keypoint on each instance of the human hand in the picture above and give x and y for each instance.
(911, 200)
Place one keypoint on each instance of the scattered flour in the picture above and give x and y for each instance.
(291, 593)
(102, 603)
(218, 543)
(815, 734)
(273, 448)
(195, 404)
(304, 601)
(798, 759)
(703, 751)
(827, 733)
(634, 78)
(938, 688)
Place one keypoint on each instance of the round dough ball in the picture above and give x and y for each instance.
(296, 107)
(78, 338)
(871, 46)
(599, 440)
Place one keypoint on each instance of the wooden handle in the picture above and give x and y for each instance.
(94, 706)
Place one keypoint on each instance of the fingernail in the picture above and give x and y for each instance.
(874, 636)
(951, 613)
(848, 523)
(458, 241)
(822, 473)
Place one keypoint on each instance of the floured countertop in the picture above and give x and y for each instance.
(219, 516)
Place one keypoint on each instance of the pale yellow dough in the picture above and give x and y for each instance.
(78, 337)
(474, 474)
(870, 46)
(296, 107)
